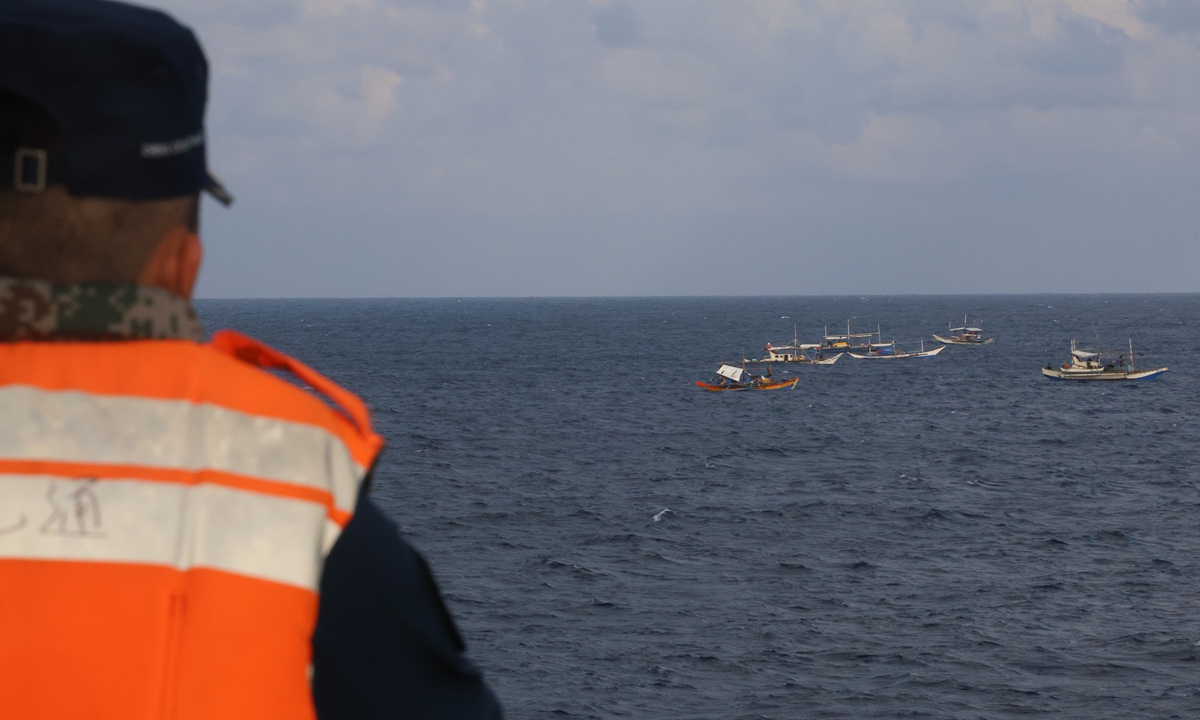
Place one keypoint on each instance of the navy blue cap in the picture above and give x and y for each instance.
(125, 85)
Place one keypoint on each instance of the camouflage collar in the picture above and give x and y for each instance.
(39, 310)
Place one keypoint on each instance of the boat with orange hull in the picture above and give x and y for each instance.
(756, 384)
(729, 378)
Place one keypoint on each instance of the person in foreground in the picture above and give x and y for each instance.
(183, 534)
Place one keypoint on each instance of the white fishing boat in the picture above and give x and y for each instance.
(797, 352)
(1090, 365)
(965, 335)
(887, 351)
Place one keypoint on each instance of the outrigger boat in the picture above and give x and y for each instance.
(1088, 365)
(882, 350)
(730, 378)
(845, 342)
(797, 352)
(966, 335)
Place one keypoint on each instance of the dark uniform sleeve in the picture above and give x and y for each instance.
(385, 645)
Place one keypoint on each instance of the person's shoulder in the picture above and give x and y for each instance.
(372, 558)
(384, 638)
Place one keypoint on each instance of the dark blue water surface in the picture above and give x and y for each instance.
(946, 538)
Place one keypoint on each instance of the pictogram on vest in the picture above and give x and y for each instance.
(165, 510)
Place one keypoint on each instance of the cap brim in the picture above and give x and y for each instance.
(214, 187)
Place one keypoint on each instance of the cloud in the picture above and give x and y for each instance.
(616, 25)
(335, 7)
(524, 127)
(891, 148)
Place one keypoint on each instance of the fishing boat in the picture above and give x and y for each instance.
(731, 378)
(965, 335)
(797, 352)
(820, 359)
(849, 341)
(1090, 365)
(882, 350)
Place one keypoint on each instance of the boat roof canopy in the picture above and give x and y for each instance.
(1084, 355)
(731, 372)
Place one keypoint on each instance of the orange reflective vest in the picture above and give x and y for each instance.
(165, 510)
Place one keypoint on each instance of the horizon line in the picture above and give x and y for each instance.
(699, 297)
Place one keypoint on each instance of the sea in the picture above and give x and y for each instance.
(955, 537)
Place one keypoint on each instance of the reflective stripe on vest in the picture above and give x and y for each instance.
(165, 508)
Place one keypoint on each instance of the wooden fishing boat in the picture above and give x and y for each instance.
(797, 352)
(966, 335)
(731, 379)
(887, 351)
(1089, 365)
(757, 384)
(849, 341)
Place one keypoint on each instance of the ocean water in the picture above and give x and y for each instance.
(946, 538)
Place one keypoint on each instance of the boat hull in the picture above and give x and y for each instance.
(1101, 375)
(828, 360)
(900, 356)
(736, 387)
(959, 341)
(799, 360)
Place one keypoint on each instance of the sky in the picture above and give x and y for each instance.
(385, 148)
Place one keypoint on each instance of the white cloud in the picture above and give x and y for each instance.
(664, 113)
(893, 148)
(335, 7)
(656, 76)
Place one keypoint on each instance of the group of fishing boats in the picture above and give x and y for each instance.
(1084, 364)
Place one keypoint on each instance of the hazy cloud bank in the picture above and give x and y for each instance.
(526, 147)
